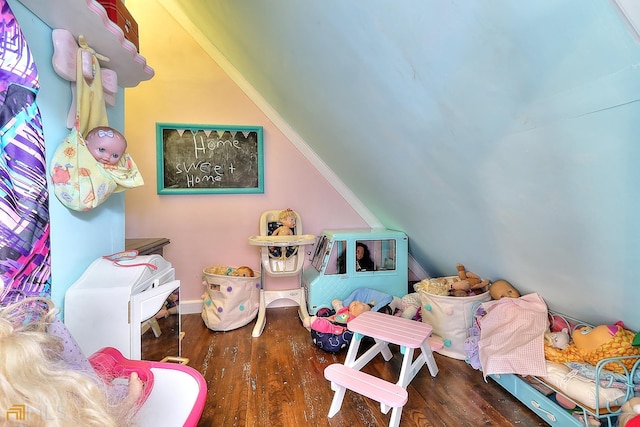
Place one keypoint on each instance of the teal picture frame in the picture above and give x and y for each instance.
(209, 159)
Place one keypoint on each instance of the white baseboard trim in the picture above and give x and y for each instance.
(191, 306)
(195, 306)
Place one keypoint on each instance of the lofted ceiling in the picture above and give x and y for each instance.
(500, 133)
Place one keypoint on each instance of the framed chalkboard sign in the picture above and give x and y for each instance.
(202, 159)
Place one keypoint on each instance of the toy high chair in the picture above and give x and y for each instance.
(280, 257)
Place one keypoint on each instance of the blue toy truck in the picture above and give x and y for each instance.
(334, 271)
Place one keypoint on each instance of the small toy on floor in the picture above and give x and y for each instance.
(330, 333)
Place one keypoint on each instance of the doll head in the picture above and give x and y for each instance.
(590, 338)
(503, 289)
(288, 218)
(244, 271)
(356, 308)
(106, 144)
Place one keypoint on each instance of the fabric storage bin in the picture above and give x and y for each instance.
(451, 318)
(120, 15)
(230, 301)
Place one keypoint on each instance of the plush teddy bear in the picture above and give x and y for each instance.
(592, 344)
(359, 301)
(468, 280)
(558, 339)
(630, 415)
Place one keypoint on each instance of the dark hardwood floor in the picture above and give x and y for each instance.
(277, 380)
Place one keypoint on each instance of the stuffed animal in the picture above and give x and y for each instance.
(592, 344)
(630, 413)
(408, 306)
(469, 280)
(220, 270)
(558, 339)
(464, 284)
(434, 286)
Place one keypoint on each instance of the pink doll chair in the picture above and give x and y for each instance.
(280, 257)
(174, 394)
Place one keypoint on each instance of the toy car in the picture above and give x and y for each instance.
(336, 270)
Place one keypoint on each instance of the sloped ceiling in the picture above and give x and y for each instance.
(500, 134)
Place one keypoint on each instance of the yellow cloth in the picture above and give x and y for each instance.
(618, 345)
(91, 110)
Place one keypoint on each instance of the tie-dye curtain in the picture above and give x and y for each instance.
(25, 268)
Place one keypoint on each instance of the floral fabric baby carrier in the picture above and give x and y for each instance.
(80, 182)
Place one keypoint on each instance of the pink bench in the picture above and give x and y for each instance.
(385, 329)
(389, 395)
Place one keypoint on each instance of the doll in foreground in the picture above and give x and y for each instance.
(52, 391)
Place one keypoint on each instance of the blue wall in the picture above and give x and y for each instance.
(499, 134)
(77, 238)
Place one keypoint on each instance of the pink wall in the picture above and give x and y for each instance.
(189, 87)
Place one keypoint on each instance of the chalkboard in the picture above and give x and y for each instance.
(201, 159)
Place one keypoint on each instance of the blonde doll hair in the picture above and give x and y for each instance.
(36, 387)
(287, 213)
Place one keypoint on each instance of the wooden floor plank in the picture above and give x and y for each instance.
(277, 379)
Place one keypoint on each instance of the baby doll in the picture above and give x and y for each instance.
(503, 289)
(37, 370)
(106, 144)
(408, 306)
(336, 324)
(560, 339)
(243, 271)
(359, 301)
(287, 218)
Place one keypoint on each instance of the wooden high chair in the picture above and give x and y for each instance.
(280, 256)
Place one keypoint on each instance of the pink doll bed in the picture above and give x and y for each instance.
(562, 391)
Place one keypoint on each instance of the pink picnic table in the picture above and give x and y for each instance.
(386, 329)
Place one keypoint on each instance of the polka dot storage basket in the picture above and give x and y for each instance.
(230, 302)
